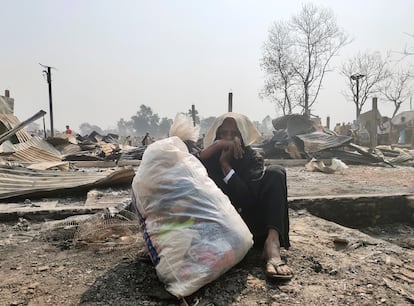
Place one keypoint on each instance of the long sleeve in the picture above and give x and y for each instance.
(246, 170)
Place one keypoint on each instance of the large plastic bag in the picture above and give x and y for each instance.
(192, 231)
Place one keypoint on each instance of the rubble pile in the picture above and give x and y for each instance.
(298, 137)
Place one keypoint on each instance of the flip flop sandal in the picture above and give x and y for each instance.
(277, 275)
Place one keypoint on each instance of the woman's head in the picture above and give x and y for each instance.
(247, 131)
(228, 130)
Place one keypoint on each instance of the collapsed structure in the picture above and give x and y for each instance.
(298, 137)
(33, 166)
(23, 155)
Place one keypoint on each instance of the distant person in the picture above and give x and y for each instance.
(401, 128)
(343, 129)
(128, 140)
(383, 131)
(146, 140)
(68, 130)
(337, 128)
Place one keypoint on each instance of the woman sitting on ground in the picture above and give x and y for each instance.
(259, 194)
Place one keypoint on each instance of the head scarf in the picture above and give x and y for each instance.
(248, 131)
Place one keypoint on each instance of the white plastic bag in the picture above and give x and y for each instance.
(192, 231)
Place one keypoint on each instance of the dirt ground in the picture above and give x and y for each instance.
(333, 265)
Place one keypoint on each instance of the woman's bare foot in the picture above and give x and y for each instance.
(275, 266)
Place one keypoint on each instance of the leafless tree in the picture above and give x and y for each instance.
(397, 88)
(364, 72)
(276, 62)
(297, 54)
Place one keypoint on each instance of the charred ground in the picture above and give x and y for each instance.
(333, 264)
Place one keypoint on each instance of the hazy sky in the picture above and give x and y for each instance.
(112, 56)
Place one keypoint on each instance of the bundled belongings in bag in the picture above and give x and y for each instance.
(192, 231)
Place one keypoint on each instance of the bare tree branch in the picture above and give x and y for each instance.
(398, 88)
(373, 70)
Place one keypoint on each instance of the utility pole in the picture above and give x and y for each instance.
(48, 74)
(356, 78)
(193, 114)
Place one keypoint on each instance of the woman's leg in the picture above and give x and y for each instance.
(269, 219)
(271, 207)
(274, 265)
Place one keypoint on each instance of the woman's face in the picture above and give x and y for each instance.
(228, 130)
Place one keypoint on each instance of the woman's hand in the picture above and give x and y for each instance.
(233, 145)
(231, 149)
(237, 148)
(228, 148)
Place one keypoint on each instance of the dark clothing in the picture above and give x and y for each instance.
(258, 193)
(145, 140)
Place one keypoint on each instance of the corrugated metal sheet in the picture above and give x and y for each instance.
(34, 154)
(318, 141)
(11, 121)
(348, 157)
(35, 149)
(70, 149)
(107, 148)
(20, 181)
(39, 143)
(61, 165)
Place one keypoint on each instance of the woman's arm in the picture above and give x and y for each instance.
(229, 149)
(216, 146)
(239, 185)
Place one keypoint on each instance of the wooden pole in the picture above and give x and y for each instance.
(230, 107)
(374, 125)
(193, 114)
